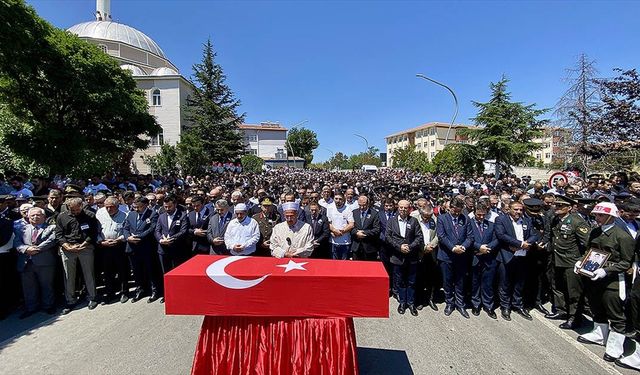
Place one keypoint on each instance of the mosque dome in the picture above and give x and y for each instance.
(135, 70)
(117, 32)
(163, 71)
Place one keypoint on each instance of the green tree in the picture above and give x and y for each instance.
(458, 158)
(212, 110)
(78, 111)
(370, 157)
(338, 161)
(619, 115)
(301, 142)
(505, 129)
(164, 162)
(251, 163)
(191, 153)
(410, 158)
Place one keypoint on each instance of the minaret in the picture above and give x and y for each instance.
(103, 10)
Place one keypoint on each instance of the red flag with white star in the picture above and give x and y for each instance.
(265, 286)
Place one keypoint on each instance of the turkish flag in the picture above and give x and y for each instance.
(265, 286)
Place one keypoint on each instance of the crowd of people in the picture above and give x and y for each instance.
(478, 243)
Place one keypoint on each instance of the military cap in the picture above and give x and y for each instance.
(266, 201)
(562, 200)
(533, 204)
(71, 188)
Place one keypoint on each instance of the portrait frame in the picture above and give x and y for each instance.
(592, 261)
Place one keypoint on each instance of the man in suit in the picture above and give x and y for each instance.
(218, 226)
(455, 237)
(198, 226)
(139, 230)
(404, 236)
(516, 236)
(485, 249)
(171, 233)
(365, 232)
(387, 213)
(429, 278)
(35, 243)
(321, 233)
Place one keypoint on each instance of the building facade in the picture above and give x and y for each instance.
(430, 139)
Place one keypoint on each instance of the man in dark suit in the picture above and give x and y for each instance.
(485, 249)
(429, 278)
(35, 243)
(321, 233)
(516, 236)
(139, 229)
(404, 236)
(387, 213)
(172, 232)
(455, 238)
(365, 232)
(218, 226)
(198, 226)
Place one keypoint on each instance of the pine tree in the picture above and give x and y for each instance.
(505, 129)
(212, 110)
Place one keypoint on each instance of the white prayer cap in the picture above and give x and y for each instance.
(240, 207)
(290, 206)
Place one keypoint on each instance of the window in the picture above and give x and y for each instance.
(253, 151)
(432, 131)
(251, 138)
(433, 154)
(538, 156)
(433, 143)
(157, 140)
(103, 48)
(547, 155)
(280, 154)
(424, 145)
(155, 97)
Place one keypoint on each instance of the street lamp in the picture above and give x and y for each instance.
(455, 99)
(365, 140)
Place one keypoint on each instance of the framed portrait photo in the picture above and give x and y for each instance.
(594, 259)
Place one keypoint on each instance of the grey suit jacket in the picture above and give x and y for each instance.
(45, 242)
(217, 230)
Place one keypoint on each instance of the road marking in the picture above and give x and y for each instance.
(581, 348)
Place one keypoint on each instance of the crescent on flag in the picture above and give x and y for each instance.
(216, 272)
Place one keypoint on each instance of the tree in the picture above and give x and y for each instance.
(65, 91)
(505, 129)
(412, 159)
(370, 157)
(251, 163)
(619, 115)
(338, 161)
(458, 158)
(164, 162)
(212, 110)
(191, 154)
(301, 142)
(577, 109)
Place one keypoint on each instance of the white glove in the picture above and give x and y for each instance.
(599, 274)
(576, 267)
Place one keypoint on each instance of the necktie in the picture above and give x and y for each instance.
(34, 236)
(197, 218)
(455, 225)
(314, 220)
(480, 228)
(363, 215)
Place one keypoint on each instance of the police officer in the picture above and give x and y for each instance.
(538, 284)
(569, 235)
(606, 288)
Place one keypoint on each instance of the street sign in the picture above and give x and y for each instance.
(557, 176)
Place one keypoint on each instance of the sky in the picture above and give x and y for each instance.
(343, 68)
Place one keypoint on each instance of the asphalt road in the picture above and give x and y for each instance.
(139, 339)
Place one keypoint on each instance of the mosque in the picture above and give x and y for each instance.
(167, 90)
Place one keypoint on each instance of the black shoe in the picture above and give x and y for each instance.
(92, 305)
(448, 310)
(413, 310)
(433, 305)
(402, 308)
(107, 299)
(463, 312)
(556, 316)
(50, 311)
(26, 314)
(475, 311)
(609, 358)
(506, 314)
(67, 309)
(124, 298)
(491, 313)
(419, 307)
(571, 323)
(162, 300)
(153, 297)
(138, 296)
(523, 313)
(542, 309)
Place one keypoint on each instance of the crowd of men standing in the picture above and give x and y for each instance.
(509, 245)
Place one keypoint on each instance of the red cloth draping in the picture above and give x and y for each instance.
(276, 346)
